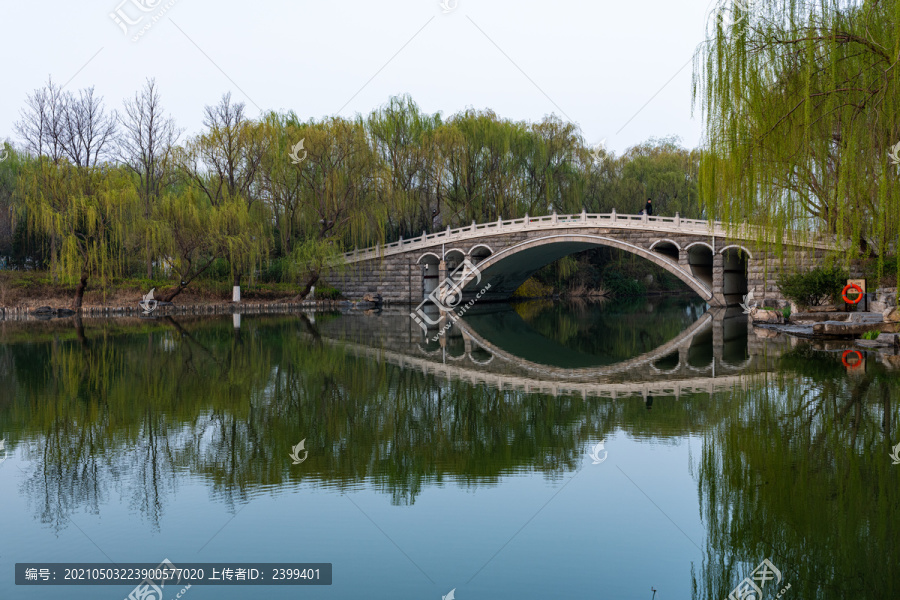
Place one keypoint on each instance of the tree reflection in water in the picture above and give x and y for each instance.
(799, 473)
(794, 469)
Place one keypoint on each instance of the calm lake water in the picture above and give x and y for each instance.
(470, 462)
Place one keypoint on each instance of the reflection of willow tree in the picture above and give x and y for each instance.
(622, 328)
(131, 413)
(800, 474)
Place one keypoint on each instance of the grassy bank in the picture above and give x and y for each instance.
(30, 289)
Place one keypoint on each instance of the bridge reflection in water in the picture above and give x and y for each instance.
(717, 352)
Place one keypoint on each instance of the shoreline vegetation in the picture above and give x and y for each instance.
(22, 293)
(266, 204)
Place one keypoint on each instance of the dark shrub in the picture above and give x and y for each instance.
(622, 285)
(813, 287)
(327, 293)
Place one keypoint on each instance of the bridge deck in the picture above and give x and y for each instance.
(612, 220)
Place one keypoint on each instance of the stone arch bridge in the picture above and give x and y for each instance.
(718, 263)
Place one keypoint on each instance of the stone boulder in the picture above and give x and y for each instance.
(766, 316)
(374, 298)
(891, 315)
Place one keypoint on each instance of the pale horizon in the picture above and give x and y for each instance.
(591, 65)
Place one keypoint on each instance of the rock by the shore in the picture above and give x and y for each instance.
(884, 340)
(891, 315)
(844, 329)
(815, 317)
(48, 312)
(766, 316)
(374, 298)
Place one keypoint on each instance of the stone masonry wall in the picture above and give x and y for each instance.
(398, 277)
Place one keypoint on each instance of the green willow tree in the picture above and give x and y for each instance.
(193, 233)
(89, 211)
(403, 137)
(223, 162)
(801, 103)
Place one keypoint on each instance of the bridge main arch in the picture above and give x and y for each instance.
(508, 269)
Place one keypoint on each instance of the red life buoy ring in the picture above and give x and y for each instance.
(858, 362)
(859, 293)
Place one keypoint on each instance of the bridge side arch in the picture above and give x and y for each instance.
(430, 258)
(668, 248)
(738, 247)
(665, 241)
(692, 244)
(507, 269)
(479, 252)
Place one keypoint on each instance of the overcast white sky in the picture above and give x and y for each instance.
(593, 62)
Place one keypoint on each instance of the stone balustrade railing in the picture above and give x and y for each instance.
(554, 221)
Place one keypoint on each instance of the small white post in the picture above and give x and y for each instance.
(312, 292)
(236, 293)
(614, 214)
(583, 214)
(677, 220)
(473, 224)
(555, 220)
(448, 230)
(526, 218)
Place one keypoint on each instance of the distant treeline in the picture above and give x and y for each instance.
(92, 194)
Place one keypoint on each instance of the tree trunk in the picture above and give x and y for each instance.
(53, 269)
(313, 278)
(174, 293)
(79, 291)
(149, 262)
